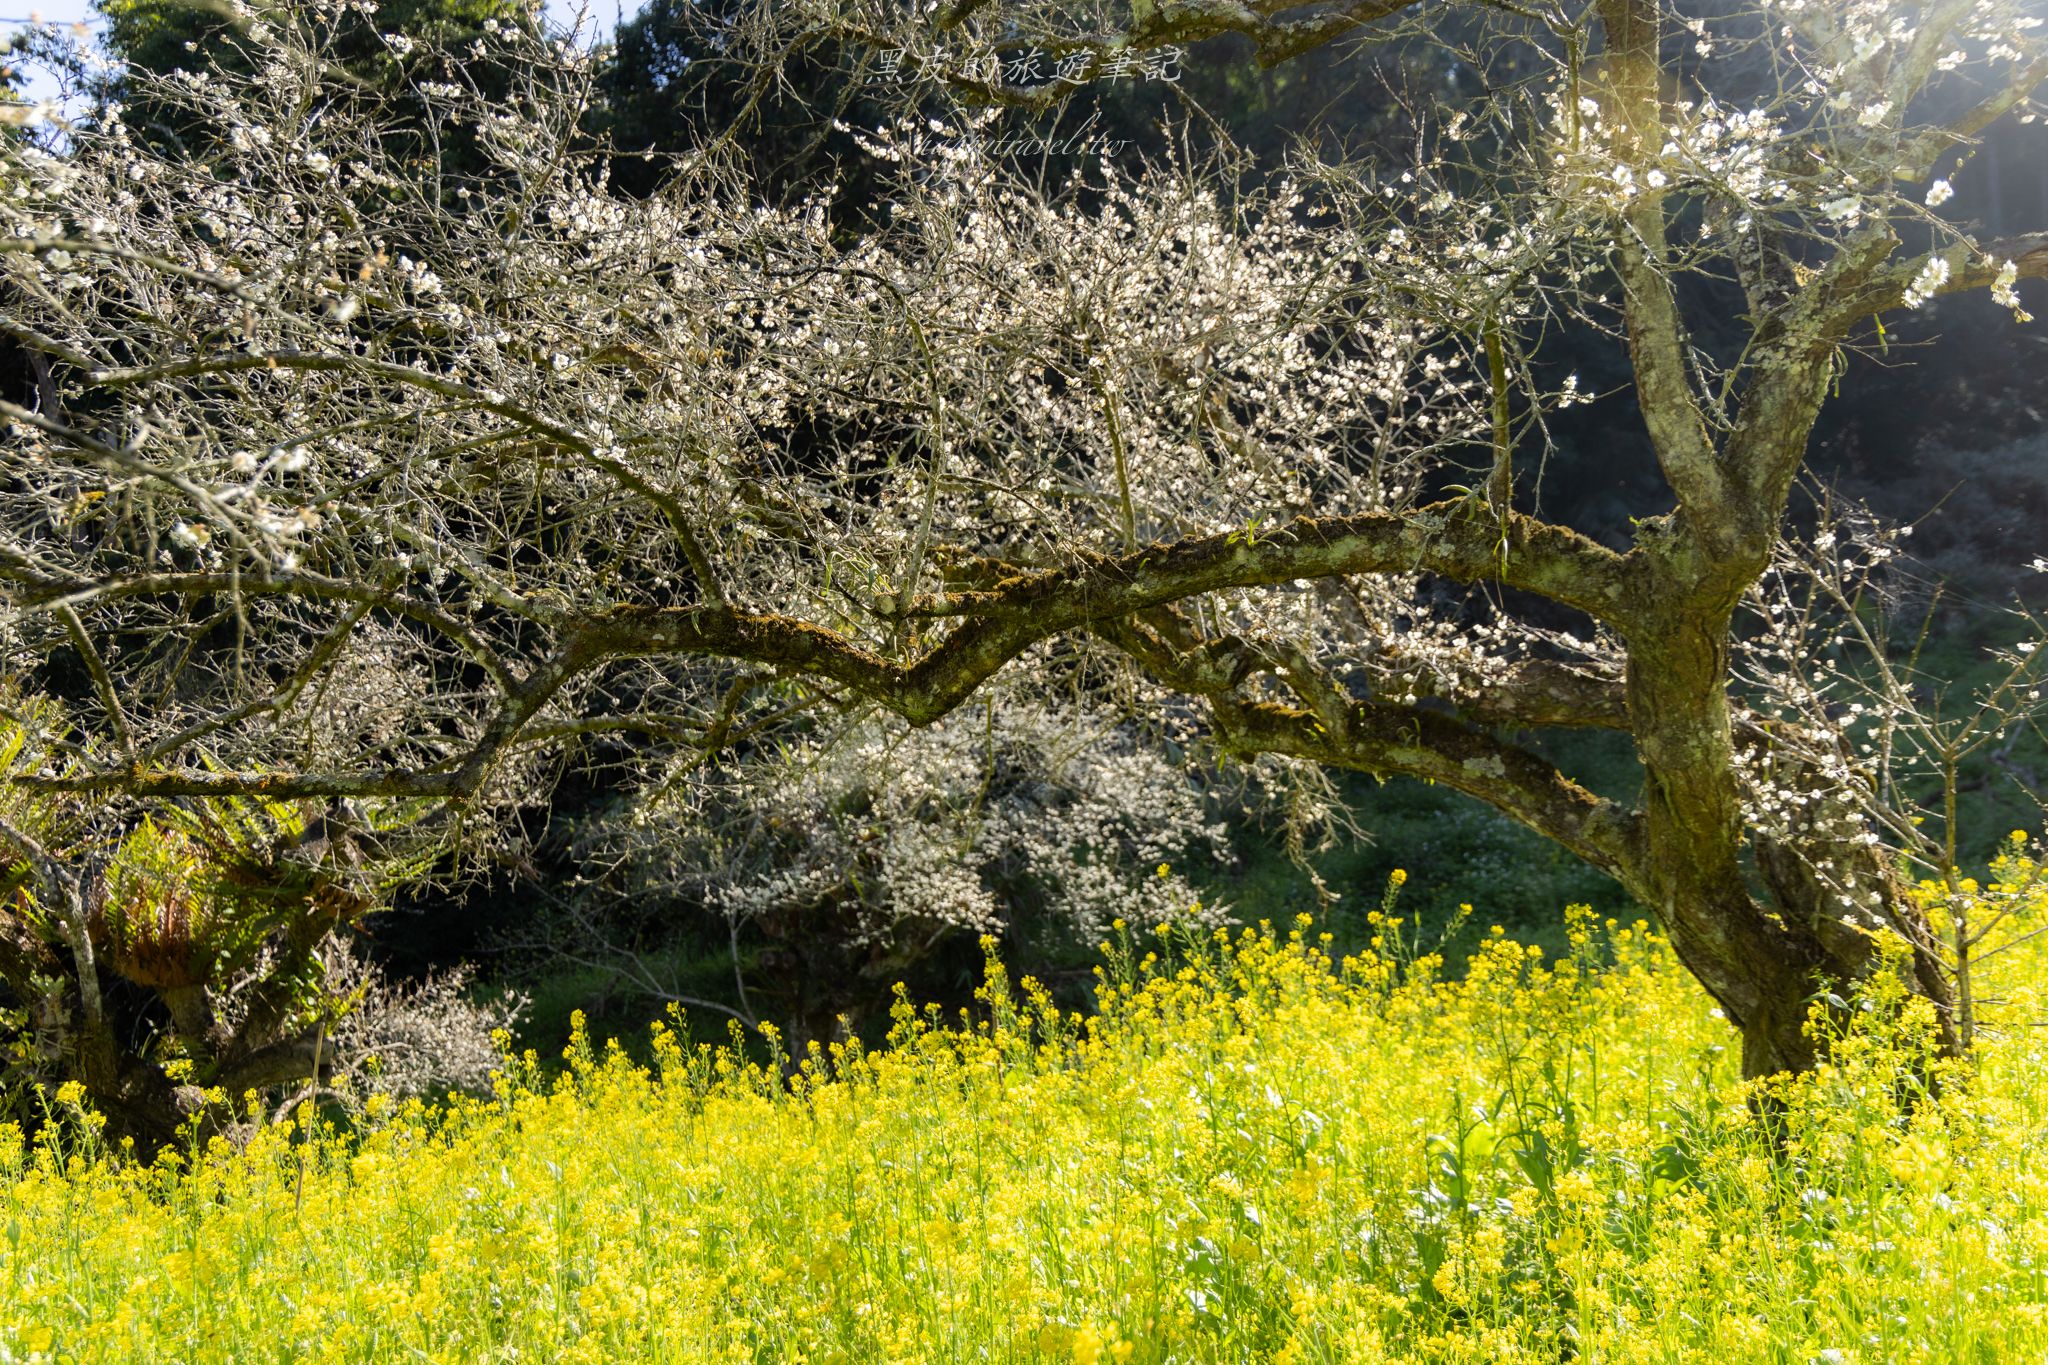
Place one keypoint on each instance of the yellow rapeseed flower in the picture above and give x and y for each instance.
(1543, 1151)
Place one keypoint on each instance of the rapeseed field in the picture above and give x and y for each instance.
(1253, 1152)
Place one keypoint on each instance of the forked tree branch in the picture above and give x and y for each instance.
(1336, 730)
(1456, 540)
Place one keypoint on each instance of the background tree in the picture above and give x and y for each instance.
(857, 851)
(18, 112)
(161, 36)
(681, 73)
(368, 499)
(381, 52)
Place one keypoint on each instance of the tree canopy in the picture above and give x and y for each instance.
(367, 486)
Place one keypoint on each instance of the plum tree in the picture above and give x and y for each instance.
(347, 484)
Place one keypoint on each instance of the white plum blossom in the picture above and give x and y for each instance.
(890, 832)
(1933, 275)
(429, 484)
(2005, 291)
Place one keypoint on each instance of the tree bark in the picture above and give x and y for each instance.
(1746, 912)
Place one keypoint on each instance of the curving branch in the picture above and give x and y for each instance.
(1796, 348)
(1337, 730)
(1383, 738)
(1550, 694)
(1972, 266)
(1457, 540)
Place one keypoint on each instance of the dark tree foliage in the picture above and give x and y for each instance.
(384, 57)
(674, 77)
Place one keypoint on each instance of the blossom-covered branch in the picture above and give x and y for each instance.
(368, 471)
